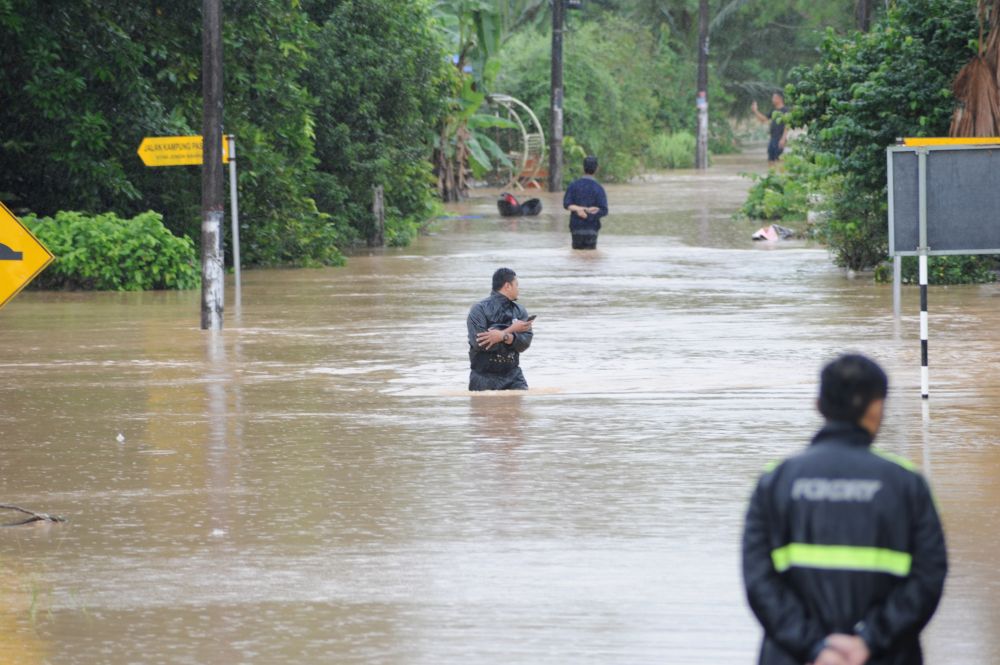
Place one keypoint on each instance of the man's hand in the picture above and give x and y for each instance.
(593, 210)
(753, 106)
(519, 326)
(852, 647)
(487, 340)
(581, 212)
(781, 143)
(830, 656)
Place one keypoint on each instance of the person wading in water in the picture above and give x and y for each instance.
(499, 332)
(587, 203)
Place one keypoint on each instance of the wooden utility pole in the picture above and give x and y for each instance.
(701, 153)
(556, 117)
(212, 273)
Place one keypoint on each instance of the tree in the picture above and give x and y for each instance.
(867, 90)
(379, 102)
(83, 81)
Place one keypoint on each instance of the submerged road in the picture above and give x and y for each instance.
(314, 485)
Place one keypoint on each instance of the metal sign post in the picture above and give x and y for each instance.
(235, 210)
(923, 249)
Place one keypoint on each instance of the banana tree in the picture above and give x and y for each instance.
(474, 30)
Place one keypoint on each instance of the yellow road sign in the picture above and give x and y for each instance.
(950, 140)
(22, 257)
(175, 151)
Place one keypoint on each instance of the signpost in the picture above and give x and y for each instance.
(175, 151)
(944, 194)
(22, 257)
(189, 151)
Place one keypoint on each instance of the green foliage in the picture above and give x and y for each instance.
(609, 101)
(776, 195)
(108, 253)
(380, 100)
(782, 193)
(83, 81)
(867, 90)
(944, 270)
(671, 151)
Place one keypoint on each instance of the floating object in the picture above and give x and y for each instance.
(773, 232)
(120, 438)
(509, 206)
(32, 515)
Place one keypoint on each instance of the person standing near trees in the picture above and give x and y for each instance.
(844, 558)
(587, 203)
(779, 129)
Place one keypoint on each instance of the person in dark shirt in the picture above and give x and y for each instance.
(499, 332)
(779, 130)
(587, 203)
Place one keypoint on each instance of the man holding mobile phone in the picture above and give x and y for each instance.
(499, 332)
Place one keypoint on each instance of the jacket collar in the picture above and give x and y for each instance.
(839, 431)
(496, 295)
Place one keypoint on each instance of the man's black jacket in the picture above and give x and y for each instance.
(496, 312)
(843, 539)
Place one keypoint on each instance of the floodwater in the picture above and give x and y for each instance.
(313, 485)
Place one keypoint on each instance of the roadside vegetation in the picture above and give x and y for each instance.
(867, 90)
(330, 98)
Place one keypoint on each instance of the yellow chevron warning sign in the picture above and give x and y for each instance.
(22, 257)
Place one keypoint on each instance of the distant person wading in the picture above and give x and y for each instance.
(587, 203)
(778, 127)
(499, 332)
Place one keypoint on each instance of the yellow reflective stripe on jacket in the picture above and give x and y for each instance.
(841, 557)
(894, 458)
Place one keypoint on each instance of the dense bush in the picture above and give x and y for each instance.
(776, 195)
(108, 253)
(671, 151)
(785, 192)
(945, 270)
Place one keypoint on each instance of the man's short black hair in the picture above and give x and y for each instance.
(590, 165)
(848, 385)
(503, 276)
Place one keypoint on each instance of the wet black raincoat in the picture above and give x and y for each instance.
(843, 539)
(498, 368)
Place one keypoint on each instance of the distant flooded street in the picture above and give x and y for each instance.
(315, 485)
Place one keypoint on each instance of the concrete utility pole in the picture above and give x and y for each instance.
(701, 154)
(212, 273)
(556, 135)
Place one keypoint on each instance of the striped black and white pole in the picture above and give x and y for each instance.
(924, 372)
(923, 250)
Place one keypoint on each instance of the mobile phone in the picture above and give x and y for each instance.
(531, 318)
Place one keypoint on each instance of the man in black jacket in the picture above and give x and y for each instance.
(499, 331)
(844, 558)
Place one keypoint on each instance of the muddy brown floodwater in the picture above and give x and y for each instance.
(313, 485)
